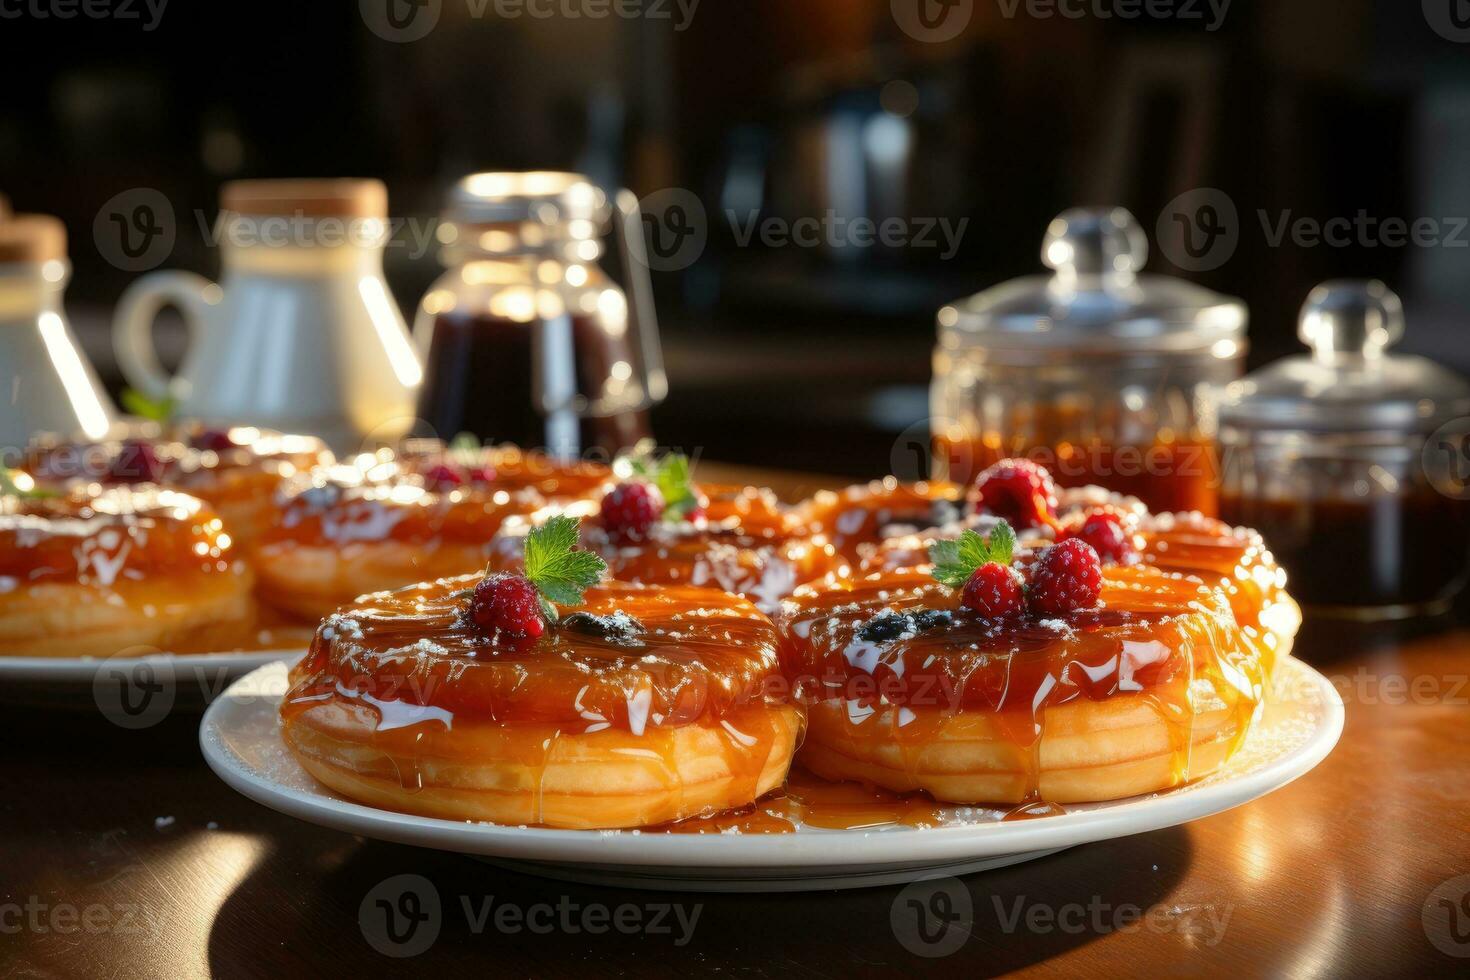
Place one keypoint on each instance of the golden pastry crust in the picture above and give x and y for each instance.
(641, 707)
(129, 570)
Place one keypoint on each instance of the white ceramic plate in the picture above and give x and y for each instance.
(241, 741)
(133, 691)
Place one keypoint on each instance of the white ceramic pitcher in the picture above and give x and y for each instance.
(301, 333)
(46, 383)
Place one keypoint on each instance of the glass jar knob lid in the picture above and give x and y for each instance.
(1351, 381)
(1097, 299)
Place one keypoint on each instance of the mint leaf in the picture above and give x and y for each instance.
(559, 571)
(153, 409)
(956, 560)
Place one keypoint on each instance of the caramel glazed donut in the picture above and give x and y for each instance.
(385, 522)
(908, 690)
(120, 571)
(744, 544)
(887, 526)
(641, 706)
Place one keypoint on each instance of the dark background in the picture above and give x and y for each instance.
(787, 356)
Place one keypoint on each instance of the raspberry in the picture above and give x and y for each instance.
(442, 478)
(1067, 577)
(509, 604)
(135, 462)
(482, 474)
(630, 509)
(1105, 532)
(1018, 490)
(994, 591)
(217, 440)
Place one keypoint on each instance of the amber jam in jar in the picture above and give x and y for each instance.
(1099, 372)
(1173, 473)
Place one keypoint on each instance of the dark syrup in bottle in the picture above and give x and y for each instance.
(1409, 550)
(478, 379)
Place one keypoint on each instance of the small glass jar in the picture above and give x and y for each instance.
(1332, 456)
(1101, 373)
(50, 385)
(524, 338)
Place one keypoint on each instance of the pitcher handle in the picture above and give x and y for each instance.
(132, 324)
(642, 317)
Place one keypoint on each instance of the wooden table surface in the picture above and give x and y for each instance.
(122, 855)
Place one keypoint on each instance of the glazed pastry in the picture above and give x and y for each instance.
(858, 517)
(672, 536)
(341, 532)
(129, 570)
(1142, 684)
(459, 699)
(234, 470)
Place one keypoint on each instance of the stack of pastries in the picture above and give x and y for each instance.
(1003, 643)
(502, 636)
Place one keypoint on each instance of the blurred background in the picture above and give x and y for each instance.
(784, 355)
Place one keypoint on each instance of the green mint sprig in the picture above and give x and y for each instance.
(673, 477)
(956, 560)
(559, 570)
(145, 407)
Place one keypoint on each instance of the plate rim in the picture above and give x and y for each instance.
(814, 848)
(54, 669)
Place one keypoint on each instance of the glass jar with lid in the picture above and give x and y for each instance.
(1099, 372)
(1348, 460)
(524, 338)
